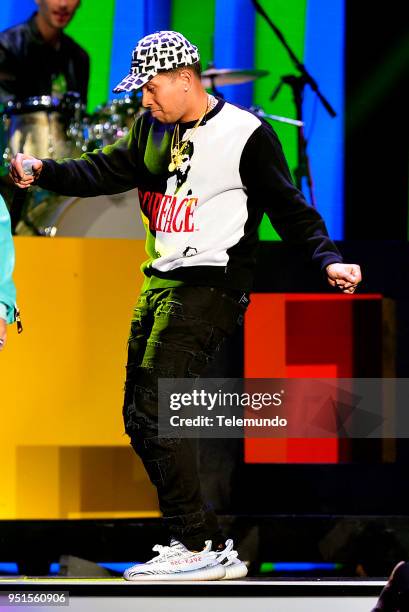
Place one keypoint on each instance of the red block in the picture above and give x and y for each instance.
(298, 336)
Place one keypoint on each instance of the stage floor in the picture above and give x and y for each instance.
(263, 595)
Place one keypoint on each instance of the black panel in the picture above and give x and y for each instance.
(377, 96)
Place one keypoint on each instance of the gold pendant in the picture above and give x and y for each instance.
(177, 161)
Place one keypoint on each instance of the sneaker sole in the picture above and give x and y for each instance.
(217, 572)
(238, 570)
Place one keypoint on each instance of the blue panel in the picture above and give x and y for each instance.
(133, 20)
(129, 27)
(157, 15)
(118, 566)
(324, 58)
(9, 568)
(12, 12)
(303, 567)
(234, 45)
(55, 567)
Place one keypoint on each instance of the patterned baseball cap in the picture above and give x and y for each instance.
(157, 52)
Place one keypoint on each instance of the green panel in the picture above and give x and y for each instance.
(196, 22)
(289, 16)
(92, 28)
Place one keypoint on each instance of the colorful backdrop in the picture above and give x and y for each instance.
(230, 35)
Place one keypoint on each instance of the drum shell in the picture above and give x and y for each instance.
(115, 216)
(41, 134)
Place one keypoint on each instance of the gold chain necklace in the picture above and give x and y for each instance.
(176, 150)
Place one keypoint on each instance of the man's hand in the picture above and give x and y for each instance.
(344, 276)
(3, 333)
(17, 174)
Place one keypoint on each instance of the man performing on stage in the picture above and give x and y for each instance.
(206, 172)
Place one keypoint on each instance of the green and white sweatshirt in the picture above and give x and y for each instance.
(201, 220)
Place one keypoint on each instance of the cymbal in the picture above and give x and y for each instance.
(226, 76)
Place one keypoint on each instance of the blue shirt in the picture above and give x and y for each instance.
(7, 288)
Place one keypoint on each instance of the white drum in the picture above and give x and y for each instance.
(116, 216)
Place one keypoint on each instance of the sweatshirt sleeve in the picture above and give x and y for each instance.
(268, 181)
(113, 169)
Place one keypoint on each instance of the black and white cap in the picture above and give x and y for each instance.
(165, 50)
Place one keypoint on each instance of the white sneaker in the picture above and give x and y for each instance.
(176, 562)
(228, 558)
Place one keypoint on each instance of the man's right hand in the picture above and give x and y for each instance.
(17, 174)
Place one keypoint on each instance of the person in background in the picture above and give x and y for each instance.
(40, 63)
(7, 290)
(38, 59)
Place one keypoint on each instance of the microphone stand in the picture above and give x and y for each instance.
(212, 87)
(297, 84)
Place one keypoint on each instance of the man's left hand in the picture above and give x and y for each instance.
(344, 276)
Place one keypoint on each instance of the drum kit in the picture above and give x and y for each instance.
(55, 128)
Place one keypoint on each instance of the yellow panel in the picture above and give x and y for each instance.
(62, 379)
(37, 482)
(115, 515)
(69, 486)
